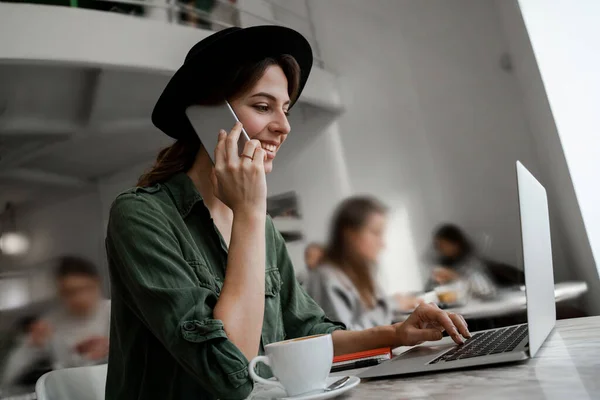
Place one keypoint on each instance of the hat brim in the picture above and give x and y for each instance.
(255, 42)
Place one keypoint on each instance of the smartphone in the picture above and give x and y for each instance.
(208, 120)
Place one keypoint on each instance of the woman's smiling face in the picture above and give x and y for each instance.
(263, 111)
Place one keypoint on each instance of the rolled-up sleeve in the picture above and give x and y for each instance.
(302, 316)
(172, 296)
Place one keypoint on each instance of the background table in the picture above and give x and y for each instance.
(510, 301)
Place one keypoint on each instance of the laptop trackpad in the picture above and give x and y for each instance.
(427, 352)
(412, 360)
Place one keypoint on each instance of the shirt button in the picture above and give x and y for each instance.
(218, 290)
(189, 326)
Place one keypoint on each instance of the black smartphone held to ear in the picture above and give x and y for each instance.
(208, 120)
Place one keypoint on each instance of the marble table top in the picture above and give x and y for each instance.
(566, 367)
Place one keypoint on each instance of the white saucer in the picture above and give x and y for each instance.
(262, 392)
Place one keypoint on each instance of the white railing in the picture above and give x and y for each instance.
(222, 14)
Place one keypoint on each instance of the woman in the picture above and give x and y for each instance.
(455, 259)
(344, 286)
(201, 280)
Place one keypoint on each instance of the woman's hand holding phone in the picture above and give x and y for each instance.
(239, 181)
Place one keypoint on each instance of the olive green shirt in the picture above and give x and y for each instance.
(168, 262)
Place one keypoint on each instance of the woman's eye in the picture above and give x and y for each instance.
(263, 108)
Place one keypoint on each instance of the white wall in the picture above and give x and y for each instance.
(557, 176)
(378, 127)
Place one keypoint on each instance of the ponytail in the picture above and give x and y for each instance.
(179, 157)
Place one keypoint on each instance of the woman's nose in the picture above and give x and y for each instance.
(280, 124)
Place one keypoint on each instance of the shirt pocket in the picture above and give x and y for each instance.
(205, 278)
(273, 330)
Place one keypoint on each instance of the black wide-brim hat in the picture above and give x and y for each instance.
(215, 54)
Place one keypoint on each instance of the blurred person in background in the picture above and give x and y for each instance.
(313, 255)
(345, 285)
(201, 279)
(29, 359)
(76, 333)
(81, 327)
(455, 258)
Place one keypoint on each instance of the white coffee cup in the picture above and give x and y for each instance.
(300, 365)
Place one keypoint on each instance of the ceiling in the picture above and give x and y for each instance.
(62, 128)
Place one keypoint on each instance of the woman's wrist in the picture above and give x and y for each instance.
(382, 336)
(389, 336)
(250, 215)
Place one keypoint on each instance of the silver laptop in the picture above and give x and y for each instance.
(507, 344)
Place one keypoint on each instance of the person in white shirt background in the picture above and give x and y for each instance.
(455, 258)
(74, 334)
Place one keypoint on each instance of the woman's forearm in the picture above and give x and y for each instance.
(345, 342)
(426, 323)
(242, 301)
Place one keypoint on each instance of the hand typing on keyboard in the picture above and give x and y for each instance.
(427, 323)
(486, 343)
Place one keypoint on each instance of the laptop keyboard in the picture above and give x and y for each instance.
(501, 340)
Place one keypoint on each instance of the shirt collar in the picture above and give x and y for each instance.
(184, 192)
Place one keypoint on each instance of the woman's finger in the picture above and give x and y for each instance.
(259, 157)
(219, 151)
(249, 150)
(232, 153)
(461, 324)
(417, 336)
(435, 325)
(434, 314)
(429, 335)
(214, 181)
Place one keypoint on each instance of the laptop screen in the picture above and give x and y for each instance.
(537, 258)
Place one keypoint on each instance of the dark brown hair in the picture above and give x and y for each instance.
(74, 265)
(352, 215)
(180, 155)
